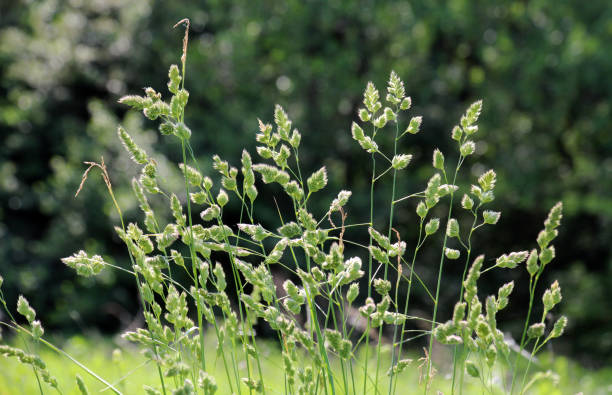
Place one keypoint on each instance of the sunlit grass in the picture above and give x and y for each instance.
(124, 366)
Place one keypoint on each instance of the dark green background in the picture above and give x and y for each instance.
(542, 67)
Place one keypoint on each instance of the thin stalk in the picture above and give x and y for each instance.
(79, 364)
(238, 286)
(333, 314)
(227, 370)
(109, 188)
(237, 283)
(263, 250)
(310, 299)
(389, 234)
(416, 250)
(418, 194)
(416, 276)
(351, 359)
(441, 265)
(535, 348)
(193, 258)
(321, 343)
(367, 345)
(242, 208)
(532, 285)
(465, 268)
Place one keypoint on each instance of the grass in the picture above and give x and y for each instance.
(130, 371)
(315, 351)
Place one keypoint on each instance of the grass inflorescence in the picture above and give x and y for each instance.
(329, 330)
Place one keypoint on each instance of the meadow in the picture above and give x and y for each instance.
(330, 289)
(125, 367)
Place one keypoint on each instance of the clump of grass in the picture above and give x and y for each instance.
(322, 350)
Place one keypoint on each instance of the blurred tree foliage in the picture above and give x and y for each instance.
(542, 68)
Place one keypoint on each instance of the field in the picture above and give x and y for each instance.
(125, 367)
(438, 224)
(321, 354)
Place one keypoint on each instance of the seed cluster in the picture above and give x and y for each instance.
(233, 292)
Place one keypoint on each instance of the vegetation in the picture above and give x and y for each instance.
(322, 322)
(129, 371)
(542, 67)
